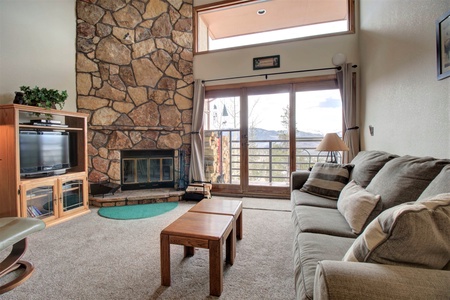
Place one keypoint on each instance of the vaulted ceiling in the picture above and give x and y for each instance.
(267, 15)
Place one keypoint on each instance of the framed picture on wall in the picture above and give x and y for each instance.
(266, 62)
(443, 46)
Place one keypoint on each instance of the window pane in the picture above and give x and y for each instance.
(72, 194)
(277, 35)
(316, 113)
(155, 169)
(40, 202)
(268, 146)
(167, 169)
(142, 170)
(229, 25)
(129, 170)
(222, 140)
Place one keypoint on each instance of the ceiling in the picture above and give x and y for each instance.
(280, 14)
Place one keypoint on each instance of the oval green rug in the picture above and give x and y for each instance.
(140, 211)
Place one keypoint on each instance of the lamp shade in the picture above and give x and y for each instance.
(332, 142)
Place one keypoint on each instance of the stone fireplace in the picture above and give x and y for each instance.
(134, 79)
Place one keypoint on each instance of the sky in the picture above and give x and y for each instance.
(316, 111)
(278, 35)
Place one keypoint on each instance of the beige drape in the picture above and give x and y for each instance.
(346, 78)
(196, 171)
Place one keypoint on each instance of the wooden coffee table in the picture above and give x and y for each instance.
(224, 207)
(201, 230)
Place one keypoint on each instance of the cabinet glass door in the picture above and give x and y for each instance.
(40, 202)
(72, 195)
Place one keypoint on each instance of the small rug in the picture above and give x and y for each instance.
(140, 211)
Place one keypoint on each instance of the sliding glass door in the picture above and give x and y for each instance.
(256, 136)
(268, 140)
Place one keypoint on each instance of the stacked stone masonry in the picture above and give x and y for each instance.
(134, 78)
(136, 197)
(217, 157)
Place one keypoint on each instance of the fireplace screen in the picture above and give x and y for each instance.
(147, 169)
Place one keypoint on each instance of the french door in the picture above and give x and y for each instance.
(266, 150)
(255, 136)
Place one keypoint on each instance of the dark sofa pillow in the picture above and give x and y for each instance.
(367, 164)
(327, 180)
(404, 178)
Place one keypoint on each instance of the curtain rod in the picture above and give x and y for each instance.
(278, 73)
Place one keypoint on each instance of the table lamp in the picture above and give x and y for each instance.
(332, 143)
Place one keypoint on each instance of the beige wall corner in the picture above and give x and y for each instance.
(37, 47)
(401, 96)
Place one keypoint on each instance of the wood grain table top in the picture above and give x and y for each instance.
(215, 206)
(199, 225)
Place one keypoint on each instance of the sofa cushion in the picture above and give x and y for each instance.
(327, 180)
(356, 204)
(301, 198)
(413, 234)
(321, 220)
(353, 280)
(309, 250)
(439, 185)
(404, 178)
(298, 179)
(367, 164)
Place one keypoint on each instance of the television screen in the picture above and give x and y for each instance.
(42, 152)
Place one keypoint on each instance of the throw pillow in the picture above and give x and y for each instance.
(414, 234)
(327, 180)
(439, 185)
(404, 178)
(367, 164)
(356, 204)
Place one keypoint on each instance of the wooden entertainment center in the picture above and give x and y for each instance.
(53, 198)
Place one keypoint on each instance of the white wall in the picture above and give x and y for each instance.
(401, 96)
(298, 55)
(37, 47)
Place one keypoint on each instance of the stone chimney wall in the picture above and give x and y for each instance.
(134, 78)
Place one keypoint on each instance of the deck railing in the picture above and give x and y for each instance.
(268, 159)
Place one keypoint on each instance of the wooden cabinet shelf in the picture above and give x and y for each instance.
(54, 198)
(48, 128)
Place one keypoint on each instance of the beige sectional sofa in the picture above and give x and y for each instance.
(378, 228)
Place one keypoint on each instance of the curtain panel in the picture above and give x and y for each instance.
(346, 78)
(196, 171)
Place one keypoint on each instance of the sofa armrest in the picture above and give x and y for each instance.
(354, 280)
(298, 179)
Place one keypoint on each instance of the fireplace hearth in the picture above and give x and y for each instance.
(147, 169)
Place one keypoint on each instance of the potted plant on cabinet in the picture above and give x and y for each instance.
(42, 97)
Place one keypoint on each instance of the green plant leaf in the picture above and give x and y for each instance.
(43, 97)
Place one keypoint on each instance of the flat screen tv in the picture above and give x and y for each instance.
(44, 153)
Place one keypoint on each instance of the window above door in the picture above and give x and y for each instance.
(230, 24)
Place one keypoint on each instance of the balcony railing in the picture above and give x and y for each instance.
(268, 160)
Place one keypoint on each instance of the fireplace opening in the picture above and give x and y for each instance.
(147, 169)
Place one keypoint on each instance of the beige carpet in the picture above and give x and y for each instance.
(262, 203)
(92, 257)
(267, 204)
